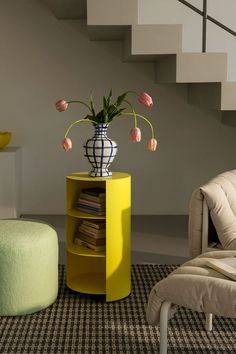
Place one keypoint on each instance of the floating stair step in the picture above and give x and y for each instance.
(192, 67)
(155, 39)
(129, 57)
(107, 12)
(110, 20)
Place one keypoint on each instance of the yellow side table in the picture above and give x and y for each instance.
(106, 272)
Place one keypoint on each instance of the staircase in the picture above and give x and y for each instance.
(205, 73)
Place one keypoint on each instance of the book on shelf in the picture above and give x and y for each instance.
(93, 229)
(91, 210)
(226, 266)
(85, 205)
(98, 224)
(90, 203)
(92, 240)
(89, 245)
(95, 233)
(92, 198)
(95, 191)
(96, 206)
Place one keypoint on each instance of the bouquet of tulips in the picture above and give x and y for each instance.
(109, 111)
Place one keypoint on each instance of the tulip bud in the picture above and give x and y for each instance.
(145, 99)
(61, 105)
(67, 144)
(152, 144)
(135, 135)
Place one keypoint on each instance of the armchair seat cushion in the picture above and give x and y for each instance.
(195, 286)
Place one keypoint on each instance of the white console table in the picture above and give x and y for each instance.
(10, 182)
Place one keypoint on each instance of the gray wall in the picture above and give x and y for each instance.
(44, 59)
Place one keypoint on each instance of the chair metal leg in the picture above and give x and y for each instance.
(163, 326)
(208, 321)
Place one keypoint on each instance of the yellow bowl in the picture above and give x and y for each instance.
(5, 138)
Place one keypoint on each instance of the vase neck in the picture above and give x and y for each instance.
(101, 129)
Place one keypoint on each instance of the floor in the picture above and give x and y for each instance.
(160, 239)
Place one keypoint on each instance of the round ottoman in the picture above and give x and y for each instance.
(28, 266)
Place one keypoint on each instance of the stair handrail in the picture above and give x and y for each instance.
(206, 17)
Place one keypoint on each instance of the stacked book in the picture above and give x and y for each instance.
(92, 234)
(92, 200)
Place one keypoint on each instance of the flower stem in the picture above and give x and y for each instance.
(135, 119)
(134, 113)
(136, 93)
(77, 122)
(139, 115)
(81, 103)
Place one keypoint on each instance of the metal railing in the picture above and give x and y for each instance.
(206, 17)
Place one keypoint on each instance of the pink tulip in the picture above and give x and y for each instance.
(61, 105)
(152, 144)
(67, 144)
(145, 99)
(135, 134)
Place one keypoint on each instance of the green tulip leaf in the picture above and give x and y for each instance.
(121, 98)
(92, 106)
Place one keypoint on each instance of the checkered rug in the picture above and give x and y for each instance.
(85, 324)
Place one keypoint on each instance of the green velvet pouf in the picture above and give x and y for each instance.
(28, 266)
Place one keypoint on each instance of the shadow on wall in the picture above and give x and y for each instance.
(172, 226)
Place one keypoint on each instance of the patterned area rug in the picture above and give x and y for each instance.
(85, 324)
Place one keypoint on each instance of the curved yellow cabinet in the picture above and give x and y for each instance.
(107, 272)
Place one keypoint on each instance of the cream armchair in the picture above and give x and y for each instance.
(212, 226)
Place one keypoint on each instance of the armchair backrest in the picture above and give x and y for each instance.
(212, 215)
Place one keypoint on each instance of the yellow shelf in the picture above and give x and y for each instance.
(107, 272)
(83, 251)
(88, 283)
(83, 215)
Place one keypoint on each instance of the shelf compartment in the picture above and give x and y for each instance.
(74, 189)
(86, 274)
(72, 226)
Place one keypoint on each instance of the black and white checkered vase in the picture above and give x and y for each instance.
(100, 151)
